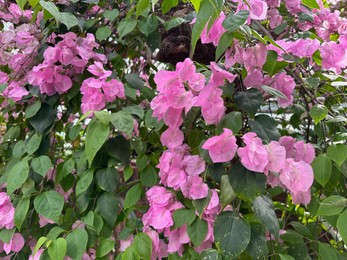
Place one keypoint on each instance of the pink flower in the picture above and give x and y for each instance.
(6, 212)
(255, 57)
(194, 188)
(216, 31)
(194, 165)
(333, 56)
(159, 196)
(221, 148)
(113, 89)
(172, 137)
(98, 70)
(44, 221)
(286, 85)
(304, 152)
(219, 75)
(276, 156)
(158, 218)
(15, 92)
(258, 9)
(15, 245)
(254, 155)
(303, 197)
(177, 239)
(124, 244)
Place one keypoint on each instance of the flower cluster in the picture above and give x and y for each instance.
(97, 91)
(67, 58)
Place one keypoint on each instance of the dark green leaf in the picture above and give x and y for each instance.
(119, 148)
(327, 252)
(210, 254)
(342, 225)
(49, 204)
(123, 121)
(264, 210)
(249, 100)
(227, 194)
(21, 212)
(107, 207)
(257, 247)
(224, 43)
(105, 246)
(107, 179)
(77, 243)
(19, 149)
(32, 109)
(103, 33)
(44, 118)
(111, 14)
(126, 26)
(84, 182)
(33, 143)
(148, 176)
(305, 16)
(265, 127)
(174, 22)
(246, 184)
(232, 234)
(183, 216)
(201, 204)
(197, 231)
(41, 164)
(232, 121)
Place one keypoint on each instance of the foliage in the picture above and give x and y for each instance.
(234, 147)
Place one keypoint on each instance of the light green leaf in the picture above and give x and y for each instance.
(105, 246)
(142, 246)
(41, 164)
(6, 235)
(103, 33)
(39, 243)
(21, 212)
(111, 14)
(57, 249)
(337, 153)
(123, 121)
(322, 168)
(233, 21)
(17, 176)
(342, 225)
(318, 113)
(133, 195)
(68, 19)
(332, 205)
(21, 3)
(77, 243)
(273, 92)
(32, 109)
(197, 231)
(85, 181)
(126, 26)
(141, 7)
(50, 205)
(311, 3)
(34, 143)
(167, 5)
(326, 251)
(19, 149)
(96, 135)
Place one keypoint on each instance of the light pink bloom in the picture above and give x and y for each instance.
(15, 245)
(194, 165)
(98, 70)
(194, 188)
(255, 57)
(158, 218)
(159, 196)
(172, 138)
(333, 56)
(15, 92)
(303, 197)
(113, 89)
(124, 244)
(286, 85)
(276, 156)
(221, 148)
(304, 152)
(6, 212)
(219, 75)
(253, 156)
(215, 32)
(44, 221)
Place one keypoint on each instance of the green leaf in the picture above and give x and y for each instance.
(105, 246)
(77, 243)
(107, 179)
(249, 100)
(135, 110)
(342, 225)
(107, 207)
(286, 257)
(141, 7)
(232, 121)
(133, 195)
(337, 153)
(75, 131)
(257, 247)
(201, 204)
(21, 212)
(41, 164)
(310, 3)
(174, 22)
(148, 176)
(143, 246)
(167, 5)
(39, 243)
(96, 135)
(322, 168)
(57, 249)
(103, 33)
(50, 205)
(183, 216)
(264, 210)
(68, 19)
(265, 127)
(210, 254)
(128, 172)
(196, 4)
(225, 42)
(44, 118)
(6, 235)
(149, 25)
(332, 205)
(21, 3)
(246, 184)
(17, 176)
(209, 10)
(33, 143)
(302, 229)
(232, 234)
(233, 21)
(227, 194)
(126, 26)
(55, 232)
(123, 121)
(134, 80)
(111, 14)
(51, 8)
(32, 109)
(84, 182)
(273, 92)
(272, 66)
(19, 149)
(327, 252)
(318, 113)
(119, 148)
(304, 16)
(197, 231)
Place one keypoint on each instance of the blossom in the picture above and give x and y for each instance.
(219, 75)
(213, 35)
(98, 70)
(172, 138)
(334, 56)
(276, 156)
(15, 245)
(253, 156)
(286, 85)
(15, 92)
(6, 212)
(221, 148)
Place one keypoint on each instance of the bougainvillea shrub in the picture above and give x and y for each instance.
(170, 129)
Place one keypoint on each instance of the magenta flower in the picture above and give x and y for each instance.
(6, 212)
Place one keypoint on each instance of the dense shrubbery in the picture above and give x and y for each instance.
(164, 129)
